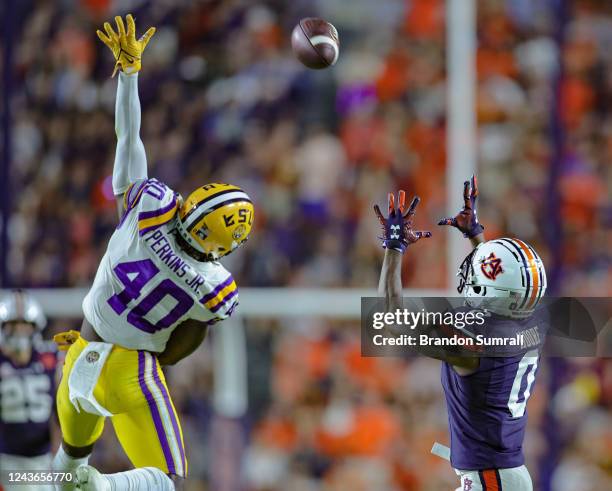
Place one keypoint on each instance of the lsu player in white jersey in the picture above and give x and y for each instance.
(157, 289)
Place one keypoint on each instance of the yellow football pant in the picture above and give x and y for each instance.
(132, 387)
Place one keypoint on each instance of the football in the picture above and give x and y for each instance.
(315, 43)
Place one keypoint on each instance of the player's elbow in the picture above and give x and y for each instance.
(393, 297)
(167, 360)
(167, 363)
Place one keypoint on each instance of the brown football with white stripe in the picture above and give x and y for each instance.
(315, 43)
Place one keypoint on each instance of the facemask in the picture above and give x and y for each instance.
(18, 344)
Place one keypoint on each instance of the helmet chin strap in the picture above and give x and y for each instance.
(198, 255)
(192, 251)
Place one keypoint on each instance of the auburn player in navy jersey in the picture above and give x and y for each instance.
(486, 397)
(27, 385)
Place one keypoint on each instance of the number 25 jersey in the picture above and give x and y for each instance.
(146, 285)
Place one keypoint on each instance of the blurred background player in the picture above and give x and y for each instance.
(158, 288)
(486, 397)
(27, 388)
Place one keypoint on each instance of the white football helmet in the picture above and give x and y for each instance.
(504, 276)
(20, 306)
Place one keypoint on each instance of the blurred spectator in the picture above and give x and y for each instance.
(223, 99)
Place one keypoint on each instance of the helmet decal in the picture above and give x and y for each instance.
(491, 267)
(238, 232)
(533, 272)
(533, 276)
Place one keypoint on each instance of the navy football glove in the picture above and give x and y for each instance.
(397, 227)
(466, 220)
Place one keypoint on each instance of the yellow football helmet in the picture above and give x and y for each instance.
(215, 220)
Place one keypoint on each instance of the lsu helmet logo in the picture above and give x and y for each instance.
(92, 357)
(491, 267)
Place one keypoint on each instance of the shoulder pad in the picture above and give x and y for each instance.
(155, 203)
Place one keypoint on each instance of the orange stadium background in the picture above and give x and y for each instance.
(224, 99)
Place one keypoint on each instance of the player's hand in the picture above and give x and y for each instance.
(397, 226)
(66, 339)
(126, 49)
(466, 220)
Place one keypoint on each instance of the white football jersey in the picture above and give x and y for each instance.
(146, 285)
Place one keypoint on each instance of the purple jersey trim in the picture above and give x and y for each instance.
(224, 301)
(131, 199)
(134, 193)
(216, 291)
(149, 229)
(159, 427)
(143, 215)
(172, 413)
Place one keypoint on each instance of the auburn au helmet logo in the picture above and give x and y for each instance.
(491, 267)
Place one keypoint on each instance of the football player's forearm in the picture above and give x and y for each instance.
(173, 355)
(130, 156)
(390, 284)
(182, 342)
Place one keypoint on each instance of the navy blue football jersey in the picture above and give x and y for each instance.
(487, 413)
(26, 404)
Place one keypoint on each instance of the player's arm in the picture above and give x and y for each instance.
(397, 236)
(466, 221)
(183, 341)
(130, 157)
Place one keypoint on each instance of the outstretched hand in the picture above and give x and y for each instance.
(126, 49)
(397, 226)
(466, 220)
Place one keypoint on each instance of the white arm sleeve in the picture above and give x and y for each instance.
(130, 156)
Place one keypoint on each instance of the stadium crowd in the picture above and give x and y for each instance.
(223, 99)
